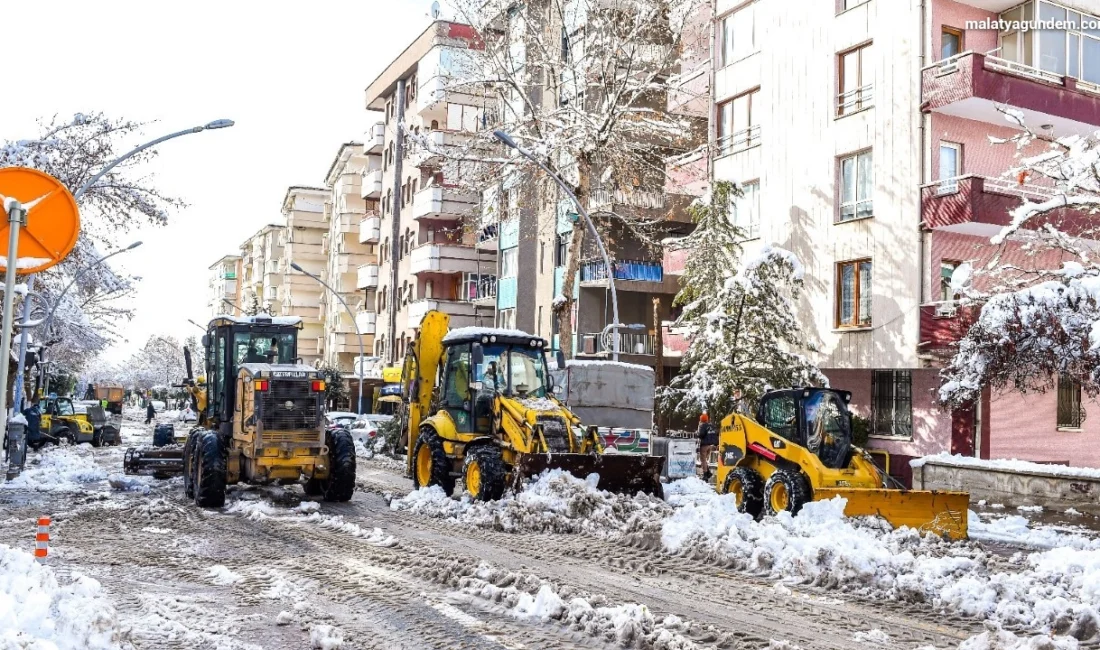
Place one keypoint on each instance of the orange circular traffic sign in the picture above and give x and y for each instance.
(52, 223)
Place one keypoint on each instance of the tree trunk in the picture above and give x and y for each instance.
(572, 264)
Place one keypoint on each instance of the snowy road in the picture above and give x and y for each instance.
(273, 571)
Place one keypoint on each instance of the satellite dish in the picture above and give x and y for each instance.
(435, 10)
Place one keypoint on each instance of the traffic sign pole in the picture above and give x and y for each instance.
(16, 217)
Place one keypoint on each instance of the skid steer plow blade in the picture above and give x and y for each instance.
(158, 461)
(942, 513)
(621, 473)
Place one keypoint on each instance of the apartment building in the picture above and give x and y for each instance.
(427, 254)
(260, 273)
(860, 131)
(350, 243)
(224, 287)
(302, 242)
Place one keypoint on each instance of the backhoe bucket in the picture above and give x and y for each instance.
(942, 513)
(161, 462)
(620, 473)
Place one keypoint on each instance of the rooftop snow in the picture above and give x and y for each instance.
(478, 332)
(251, 320)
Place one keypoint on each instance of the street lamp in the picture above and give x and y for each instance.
(358, 334)
(615, 324)
(196, 325)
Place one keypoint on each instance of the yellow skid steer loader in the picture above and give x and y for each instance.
(479, 406)
(799, 449)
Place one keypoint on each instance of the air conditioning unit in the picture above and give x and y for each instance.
(946, 310)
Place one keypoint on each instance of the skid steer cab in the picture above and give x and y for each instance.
(480, 407)
(799, 449)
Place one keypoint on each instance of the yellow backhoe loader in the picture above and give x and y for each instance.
(479, 405)
(799, 449)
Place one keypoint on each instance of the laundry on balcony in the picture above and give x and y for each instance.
(630, 270)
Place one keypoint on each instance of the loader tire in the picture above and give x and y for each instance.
(210, 472)
(430, 463)
(97, 438)
(313, 487)
(483, 473)
(190, 458)
(747, 486)
(786, 490)
(340, 484)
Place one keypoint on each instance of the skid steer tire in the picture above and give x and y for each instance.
(748, 486)
(313, 487)
(430, 463)
(786, 490)
(483, 473)
(340, 484)
(210, 472)
(97, 438)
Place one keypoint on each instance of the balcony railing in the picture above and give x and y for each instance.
(370, 229)
(855, 100)
(488, 233)
(483, 290)
(599, 198)
(372, 184)
(376, 138)
(739, 140)
(630, 270)
(629, 343)
(366, 321)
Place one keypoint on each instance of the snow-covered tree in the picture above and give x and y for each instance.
(1039, 307)
(738, 314)
(158, 363)
(73, 151)
(585, 86)
(336, 390)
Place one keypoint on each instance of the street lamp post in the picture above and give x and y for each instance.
(615, 324)
(358, 334)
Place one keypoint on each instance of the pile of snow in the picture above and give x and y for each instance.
(222, 575)
(125, 483)
(1013, 465)
(59, 469)
(1015, 529)
(326, 637)
(555, 502)
(37, 612)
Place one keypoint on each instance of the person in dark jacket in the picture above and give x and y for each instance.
(150, 412)
(708, 440)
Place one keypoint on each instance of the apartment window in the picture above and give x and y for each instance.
(746, 210)
(947, 270)
(845, 5)
(1072, 51)
(561, 248)
(507, 319)
(508, 260)
(853, 295)
(738, 35)
(950, 166)
(738, 126)
(856, 186)
(1070, 412)
(951, 42)
(892, 403)
(856, 80)
(542, 257)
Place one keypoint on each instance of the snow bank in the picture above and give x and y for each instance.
(59, 469)
(39, 613)
(1013, 465)
(326, 637)
(222, 575)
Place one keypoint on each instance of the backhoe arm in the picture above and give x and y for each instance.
(420, 372)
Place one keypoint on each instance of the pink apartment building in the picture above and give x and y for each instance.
(860, 130)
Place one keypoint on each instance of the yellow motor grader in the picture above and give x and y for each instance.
(479, 406)
(799, 449)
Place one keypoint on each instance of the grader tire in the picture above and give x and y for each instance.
(483, 473)
(430, 463)
(210, 472)
(786, 490)
(748, 487)
(190, 461)
(341, 477)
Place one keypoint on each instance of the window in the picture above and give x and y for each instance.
(845, 5)
(892, 403)
(738, 126)
(947, 269)
(746, 210)
(1073, 50)
(853, 301)
(508, 259)
(950, 166)
(856, 185)
(1070, 413)
(856, 81)
(507, 319)
(951, 42)
(561, 248)
(738, 35)
(542, 257)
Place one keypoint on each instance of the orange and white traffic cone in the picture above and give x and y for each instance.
(42, 540)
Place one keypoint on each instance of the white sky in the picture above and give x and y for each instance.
(291, 74)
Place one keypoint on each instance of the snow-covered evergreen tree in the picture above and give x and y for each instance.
(738, 315)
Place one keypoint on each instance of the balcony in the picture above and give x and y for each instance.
(347, 343)
(366, 321)
(980, 199)
(483, 290)
(463, 314)
(487, 236)
(443, 203)
(301, 252)
(600, 198)
(370, 228)
(630, 270)
(448, 258)
(375, 139)
(366, 277)
(972, 86)
(372, 184)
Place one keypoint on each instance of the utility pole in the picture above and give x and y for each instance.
(395, 229)
(658, 361)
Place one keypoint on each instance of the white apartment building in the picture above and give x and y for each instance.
(426, 252)
(303, 240)
(859, 130)
(261, 276)
(224, 286)
(350, 243)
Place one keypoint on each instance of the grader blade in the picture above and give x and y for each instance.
(942, 513)
(161, 462)
(620, 473)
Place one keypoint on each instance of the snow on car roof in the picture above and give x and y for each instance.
(341, 414)
(463, 333)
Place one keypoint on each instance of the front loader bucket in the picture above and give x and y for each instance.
(942, 513)
(161, 462)
(620, 473)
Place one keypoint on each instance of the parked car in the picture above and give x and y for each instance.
(365, 430)
(340, 418)
(187, 415)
